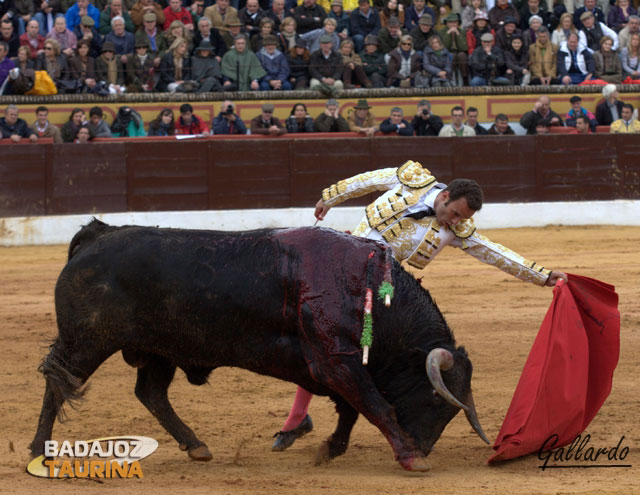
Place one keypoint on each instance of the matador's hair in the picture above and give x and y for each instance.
(466, 188)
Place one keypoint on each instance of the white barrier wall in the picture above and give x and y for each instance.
(20, 231)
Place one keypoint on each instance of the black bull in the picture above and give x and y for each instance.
(284, 303)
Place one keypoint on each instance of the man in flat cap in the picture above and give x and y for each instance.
(325, 67)
(266, 123)
(422, 33)
(595, 31)
(86, 30)
(487, 64)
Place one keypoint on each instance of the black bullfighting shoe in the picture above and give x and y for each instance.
(285, 439)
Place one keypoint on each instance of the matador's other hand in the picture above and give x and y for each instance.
(554, 277)
(321, 210)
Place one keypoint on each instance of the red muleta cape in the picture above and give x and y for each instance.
(569, 371)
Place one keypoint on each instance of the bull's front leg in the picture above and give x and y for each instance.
(352, 381)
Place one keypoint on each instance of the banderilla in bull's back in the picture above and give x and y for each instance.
(287, 303)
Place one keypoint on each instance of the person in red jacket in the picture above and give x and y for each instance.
(189, 123)
(176, 12)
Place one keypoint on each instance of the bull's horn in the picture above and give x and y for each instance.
(472, 417)
(441, 359)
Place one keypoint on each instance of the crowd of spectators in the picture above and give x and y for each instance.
(619, 116)
(115, 46)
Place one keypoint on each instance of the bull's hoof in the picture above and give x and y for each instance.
(418, 464)
(200, 453)
(323, 454)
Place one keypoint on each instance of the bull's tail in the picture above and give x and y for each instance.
(64, 385)
(86, 235)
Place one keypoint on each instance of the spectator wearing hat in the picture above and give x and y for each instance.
(353, 70)
(331, 120)
(505, 33)
(143, 7)
(480, 27)
(266, 124)
(205, 69)
(241, 68)
(329, 29)
(457, 128)
(541, 112)
(207, 33)
(275, 65)
(227, 122)
(123, 41)
(361, 120)
(250, 16)
(32, 38)
(363, 21)
(220, 13)
(500, 12)
(532, 8)
(298, 60)
(156, 41)
(544, 59)
(189, 123)
(325, 68)
(607, 63)
(595, 31)
(82, 66)
(517, 60)
(299, 120)
(469, 13)
(414, 13)
(140, 69)
(63, 36)
(87, 31)
(78, 10)
(396, 124)
(487, 64)
(389, 36)
(373, 62)
(588, 7)
(575, 62)
(425, 123)
(109, 68)
(232, 29)
(97, 125)
(472, 121)
(422, 33)
(437, 63)
(404, 64)
(309, 16)
(455, 41)
(392, 8)
(115, 8)
(577, 110)
(176, 12)
(501, 126)
(530, 34)
(337, 13)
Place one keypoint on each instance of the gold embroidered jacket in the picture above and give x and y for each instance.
(419, 241)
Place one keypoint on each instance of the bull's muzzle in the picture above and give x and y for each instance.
(441, 359)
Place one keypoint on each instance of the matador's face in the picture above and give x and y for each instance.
(449, 212)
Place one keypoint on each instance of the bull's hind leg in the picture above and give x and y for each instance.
(337, 443)
(153, 383)
(65, 370)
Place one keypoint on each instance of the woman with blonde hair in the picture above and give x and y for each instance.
(404, 64)
(178, 30)
(313, 37)
(564, 29)
(287, 35)
(352, 66)
(630, 57)
(23, 60)
(175, 67)
(608, 66)
(53, 61)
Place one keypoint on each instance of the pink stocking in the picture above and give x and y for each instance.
(298, 410)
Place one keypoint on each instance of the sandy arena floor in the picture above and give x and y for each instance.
(495, 316)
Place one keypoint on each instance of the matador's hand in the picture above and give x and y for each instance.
(321, 210)
(554, 277)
